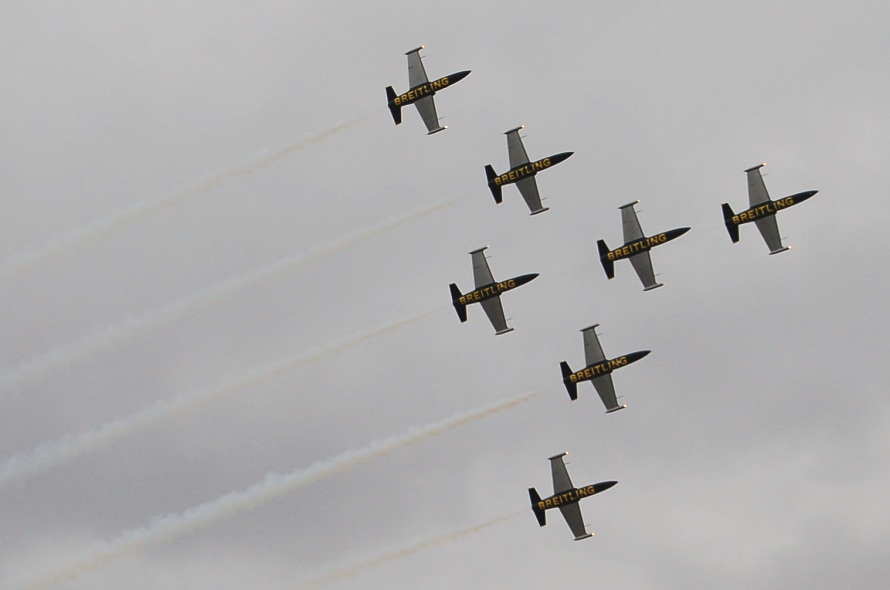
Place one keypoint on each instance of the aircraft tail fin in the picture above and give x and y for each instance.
(539, 512)
(731, 227)
(571, 387)
(459, 307)
(608, 265)
(393, 108)
(495, 188)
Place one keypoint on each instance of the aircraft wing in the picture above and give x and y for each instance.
(515, 148)
(495, 312)
(561, 480)
(769, 229)
(642, 263)
(572, 514)
(630, 223)
(416, 73)
(756, 189)
(481, 272)
(528, 188)
(427, 109)
(606, 391)
(593, 352)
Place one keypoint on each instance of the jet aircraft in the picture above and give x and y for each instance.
(487, 292)
(420, 93)
(565, 497)
(762, 211)
(636, 247)
(598, 369)
(522, 172)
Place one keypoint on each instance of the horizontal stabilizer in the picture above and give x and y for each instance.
(459, 307)
(731, 227)
(571, 387)
(536, 499)
(495, 189)
(608, 265)
(393, 108)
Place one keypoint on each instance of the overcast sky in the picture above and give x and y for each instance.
(206, 206)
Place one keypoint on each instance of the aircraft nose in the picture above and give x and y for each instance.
(603, 486)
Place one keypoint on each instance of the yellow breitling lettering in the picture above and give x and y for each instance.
(782, 203)
(619, 362)
(541, 505)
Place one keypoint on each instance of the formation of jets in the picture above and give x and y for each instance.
(636, 248)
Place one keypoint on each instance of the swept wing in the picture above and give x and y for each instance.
(481, 271)
(641, 262)
(416, 72)
(528, 187)
(515, 148)
(561, 480)
(482, 277)
(562, 483)
(425, 106)
(629, 223)
(757, 195)
(593, 353)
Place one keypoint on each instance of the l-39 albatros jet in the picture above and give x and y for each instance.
(565, 497)
(636, 247)
(598, 369)
(522, 172)
(762, 212)
(421, 92)
(487, 292)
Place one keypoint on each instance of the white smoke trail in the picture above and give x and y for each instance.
(114, 222)
(103, 338)
(360, 567)
(23, 466)
(169, 527)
